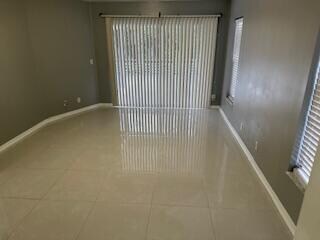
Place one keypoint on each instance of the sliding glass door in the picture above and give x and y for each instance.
(164, 62)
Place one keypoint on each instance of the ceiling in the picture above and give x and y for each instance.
(144, 0)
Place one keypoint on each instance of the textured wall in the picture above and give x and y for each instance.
(153, 8)
(277, 48)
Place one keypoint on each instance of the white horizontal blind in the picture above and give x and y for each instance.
(311, 133)
(164, 62)
(235, 58)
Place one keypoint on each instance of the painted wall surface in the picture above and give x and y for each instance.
(309, 220)
(45, 50)
(20, 105)
(62, 44)
(277, 49)
(153, 8)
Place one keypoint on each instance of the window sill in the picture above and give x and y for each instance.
(229, 100)
(298, 180)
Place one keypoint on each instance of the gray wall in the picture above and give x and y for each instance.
(308, 224)
(19, 88)
(181, 7)
(62, 45)
(45, 49)
(277, 48)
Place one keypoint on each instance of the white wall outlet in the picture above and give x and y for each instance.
(256, 146)
(65, 103)
(79, 99)
(241, 126)
(91, 61)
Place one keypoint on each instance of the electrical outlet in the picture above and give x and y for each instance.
(65, 103)
(241, 126)
(213, 97)
(91, 61)
(78, 99)
(256, 146)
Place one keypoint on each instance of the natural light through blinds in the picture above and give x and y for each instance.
(311, 133)
(164, 62)
(235, 58)
(163, 140)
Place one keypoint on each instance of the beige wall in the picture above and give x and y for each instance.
(277, 48)
(45, 50)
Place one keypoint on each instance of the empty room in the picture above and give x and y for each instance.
(159, 120)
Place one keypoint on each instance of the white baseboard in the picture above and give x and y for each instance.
(214, 107)
(276, 201)
(283, 212)
(48, 121)
(105, 105)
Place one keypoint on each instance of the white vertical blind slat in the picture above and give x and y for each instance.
(197, 64)
(149, 50)
(137, 53)
(116, 53)
(191, 66)
(143, 75)
(185, 55)
(203, 34)
(175, 68)
(211, 59)
(162, 47)
(152, 37)
(189, 63)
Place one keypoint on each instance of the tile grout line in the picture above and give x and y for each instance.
(85, 220)
(37, 204)
(54, 184)
(12, 169)
(150, 210)
(35, 198)
(22, 219)
(17, 198)
(210, 212)
(178, 205)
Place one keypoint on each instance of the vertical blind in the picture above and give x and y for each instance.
(164, 62)
(311, 133)
(235, 58)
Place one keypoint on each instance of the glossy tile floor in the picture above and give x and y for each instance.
(130, 174)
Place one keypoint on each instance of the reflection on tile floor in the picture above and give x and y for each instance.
(131, 174)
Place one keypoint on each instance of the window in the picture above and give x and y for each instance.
(235, 58)
(310, 137)
(164, 62)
